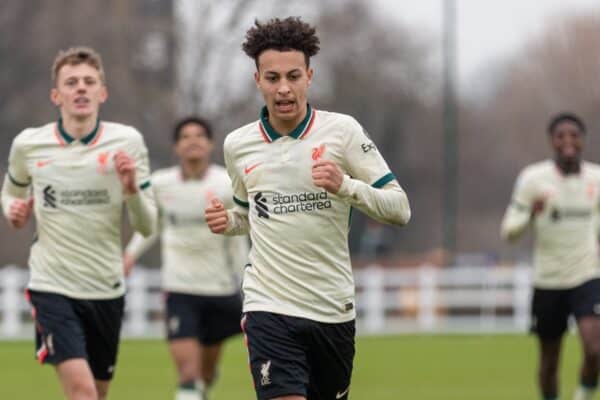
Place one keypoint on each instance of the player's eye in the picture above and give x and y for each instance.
(271, 78)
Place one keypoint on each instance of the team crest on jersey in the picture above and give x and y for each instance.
(317, 152)
(591, 190)
(103, 162)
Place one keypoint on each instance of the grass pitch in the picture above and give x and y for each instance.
(385, 368)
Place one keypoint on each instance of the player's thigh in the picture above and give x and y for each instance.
(277, 355)
(585, 299)
(331, 357)
(186, 356)
(219, 319)
(76, 379)
(103, 320)
(182, 316)
(59, 331)
(585, 304)
(550, 311)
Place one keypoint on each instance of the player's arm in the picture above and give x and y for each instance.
(369, 185)
(522, 209)
(230, 221)
(138, 245)
(17, 204)
(134, 173)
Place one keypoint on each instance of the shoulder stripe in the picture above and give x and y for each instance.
(16, 182)
(145, 185)
(381, 182)
(519, 206)
(240, 202)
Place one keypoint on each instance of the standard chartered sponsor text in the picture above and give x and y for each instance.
(84, 197)
(300, 202)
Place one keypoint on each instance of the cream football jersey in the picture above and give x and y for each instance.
(78, 203)
(300, 262)
(195, 261)
(566, 231)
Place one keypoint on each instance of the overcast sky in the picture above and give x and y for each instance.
(487, 29)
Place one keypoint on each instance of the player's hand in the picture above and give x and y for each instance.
(125, 166)
(128, 264)
(216, 216)
(538, 206)
(19, 212)
(327, 175)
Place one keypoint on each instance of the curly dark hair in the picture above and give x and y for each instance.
(282, 35)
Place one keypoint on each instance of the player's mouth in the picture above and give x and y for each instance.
(82, 102)
(284, 106)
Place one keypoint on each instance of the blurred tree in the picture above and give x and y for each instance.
(370, 68)
(135, 38)
(555, 71)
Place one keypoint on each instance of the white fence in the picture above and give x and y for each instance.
(425, 299)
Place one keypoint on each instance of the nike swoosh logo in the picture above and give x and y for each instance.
(42, 163)
(339, 395)
(249, 169)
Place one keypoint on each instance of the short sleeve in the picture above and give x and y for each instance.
(362, 158)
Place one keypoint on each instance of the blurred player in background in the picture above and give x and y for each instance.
(559, 200)
(200, 271)
(74, 175)
(296, 174)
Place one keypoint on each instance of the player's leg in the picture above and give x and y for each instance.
(60, 341)
(182, 332)
(277, 355)
(331, 356)
(76, 379)
(102, 326)
(548, 367)
(219, 319)
(209, 360)
(585, 302)
(550, 311)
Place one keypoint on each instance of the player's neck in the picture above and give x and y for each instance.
(285, 127)
(194, 169)
(78, 128)
(568, 167)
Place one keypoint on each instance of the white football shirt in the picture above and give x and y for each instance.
(78, 203)
(566, 231)
(194, 260)
(300, 262)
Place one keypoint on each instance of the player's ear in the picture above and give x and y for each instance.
(256, 78)
(103, 94)
(55, 97)
(310, 74)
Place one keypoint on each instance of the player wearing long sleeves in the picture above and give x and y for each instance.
(75, 175)
(559, 200)
(296, 174)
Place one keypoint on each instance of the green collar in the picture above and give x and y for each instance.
(299, 132)
(87, 139)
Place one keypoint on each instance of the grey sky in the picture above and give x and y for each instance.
(488, 30)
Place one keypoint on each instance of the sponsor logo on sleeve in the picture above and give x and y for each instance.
(367, 147)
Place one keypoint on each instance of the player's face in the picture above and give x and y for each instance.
(283, 79)
(79, 91)
(567, 141)
(193, 143)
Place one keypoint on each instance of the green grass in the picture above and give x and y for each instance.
(386, 368)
